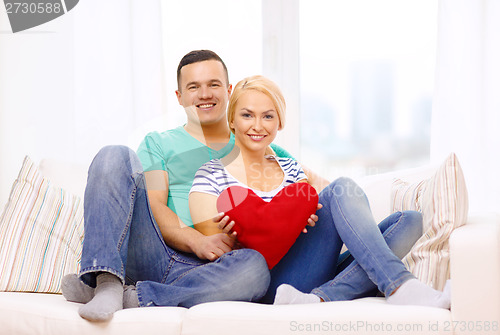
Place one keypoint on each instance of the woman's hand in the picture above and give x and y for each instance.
(313, 219)
(224, 223)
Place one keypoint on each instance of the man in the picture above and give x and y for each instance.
(146, 237)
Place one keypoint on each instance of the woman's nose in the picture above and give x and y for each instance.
(257, 124)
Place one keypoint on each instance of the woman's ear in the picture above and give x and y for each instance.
(231, 125)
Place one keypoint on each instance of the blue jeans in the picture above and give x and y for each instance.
(122, 237)
(373, 261)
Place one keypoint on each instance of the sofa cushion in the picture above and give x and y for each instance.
(362, 316)
(41, 234)
(39, 313)
(443, 201)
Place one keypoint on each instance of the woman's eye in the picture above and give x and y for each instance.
(268, 116)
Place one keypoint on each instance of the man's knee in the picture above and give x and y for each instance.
(251, 277)
(113, 158)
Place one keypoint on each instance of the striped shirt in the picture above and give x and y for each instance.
(213, 178)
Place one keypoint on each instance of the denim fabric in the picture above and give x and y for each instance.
(313, 263)
(122, 237)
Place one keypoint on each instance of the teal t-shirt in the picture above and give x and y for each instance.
(181, 155)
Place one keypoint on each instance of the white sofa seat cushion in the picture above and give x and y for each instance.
(363, 316)
(40, 313)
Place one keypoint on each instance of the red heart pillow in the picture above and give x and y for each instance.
(272, 227)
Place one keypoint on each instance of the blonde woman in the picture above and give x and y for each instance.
(310, 271)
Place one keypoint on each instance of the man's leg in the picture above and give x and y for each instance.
(239, 275)
(114, 200)
(121, 233)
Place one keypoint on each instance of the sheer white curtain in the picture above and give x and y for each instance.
(87, 79)
(118, 71)
(466, 110)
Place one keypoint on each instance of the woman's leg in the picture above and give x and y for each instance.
(400, 231)
(313, 259)
(350, 212)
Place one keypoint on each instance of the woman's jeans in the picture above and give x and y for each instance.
(373, 260)
(122, 237)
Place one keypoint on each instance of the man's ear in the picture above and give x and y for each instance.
(179, 95)
(229, 90)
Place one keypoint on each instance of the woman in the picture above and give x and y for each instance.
(256, 112)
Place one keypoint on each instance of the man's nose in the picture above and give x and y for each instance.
(204, 92)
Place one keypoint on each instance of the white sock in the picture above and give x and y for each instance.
(414, 292)
(287, 295)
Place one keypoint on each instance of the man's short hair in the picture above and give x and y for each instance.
(196, 56)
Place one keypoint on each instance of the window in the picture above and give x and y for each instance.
(366, 82)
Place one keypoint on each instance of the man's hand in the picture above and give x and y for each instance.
(213, 246)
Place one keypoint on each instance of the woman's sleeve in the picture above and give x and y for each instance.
(205, 181)
(300, 172)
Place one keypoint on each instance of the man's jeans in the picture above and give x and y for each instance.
(122, 237)
(373, 260)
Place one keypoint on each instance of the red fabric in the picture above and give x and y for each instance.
(272, 227)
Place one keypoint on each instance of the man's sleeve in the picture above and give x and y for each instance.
(151, 155)
(280, 152)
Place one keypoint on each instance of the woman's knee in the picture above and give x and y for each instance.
(413, 220)
(342, 188)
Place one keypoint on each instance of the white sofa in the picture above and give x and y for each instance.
(475, 273)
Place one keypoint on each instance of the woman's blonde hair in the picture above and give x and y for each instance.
(260, 84)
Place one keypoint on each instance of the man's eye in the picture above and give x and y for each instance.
(191, 88)
(215, 85)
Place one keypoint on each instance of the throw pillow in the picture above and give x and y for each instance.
(272, 227)
(443, 201)
(41, 234)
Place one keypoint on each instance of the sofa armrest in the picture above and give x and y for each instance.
(475, 274)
